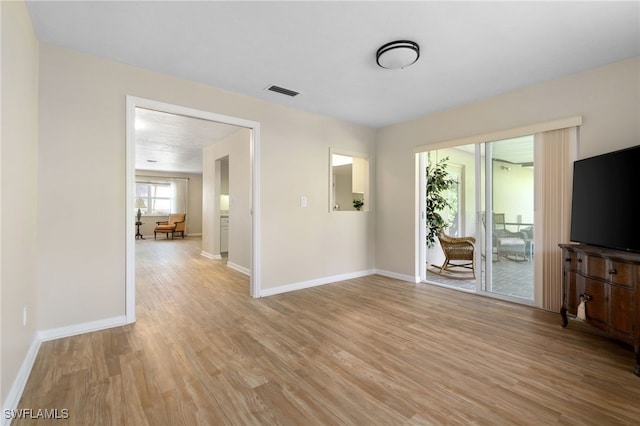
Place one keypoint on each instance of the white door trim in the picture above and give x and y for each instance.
(421, 214)
(132, 103)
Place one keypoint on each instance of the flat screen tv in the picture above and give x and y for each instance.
(605, 197)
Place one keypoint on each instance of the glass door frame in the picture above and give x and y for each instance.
(421, 164)
(483, 282)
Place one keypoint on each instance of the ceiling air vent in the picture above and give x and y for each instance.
(283, 91)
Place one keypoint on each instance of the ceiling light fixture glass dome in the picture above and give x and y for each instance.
(398, 54)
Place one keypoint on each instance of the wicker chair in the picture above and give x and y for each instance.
(459, 255)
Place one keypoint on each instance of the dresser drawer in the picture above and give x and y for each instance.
(594, 266)
(622, 273)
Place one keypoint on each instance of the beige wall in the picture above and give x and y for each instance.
(343, 182)
(82, 128)
(608, 98)
(194, 202)
(513, 192)
(238, 186)
(18, 166)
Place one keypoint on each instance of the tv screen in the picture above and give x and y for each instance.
(605, 196)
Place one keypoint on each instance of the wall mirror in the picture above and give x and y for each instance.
(349, 182)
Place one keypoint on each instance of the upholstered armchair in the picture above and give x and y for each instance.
(174, 224)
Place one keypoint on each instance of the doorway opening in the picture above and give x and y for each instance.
(253, 129)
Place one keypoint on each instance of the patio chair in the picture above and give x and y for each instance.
(459, 255)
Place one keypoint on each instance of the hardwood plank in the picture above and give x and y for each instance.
(371, 350)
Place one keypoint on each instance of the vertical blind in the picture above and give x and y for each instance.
(555, 151)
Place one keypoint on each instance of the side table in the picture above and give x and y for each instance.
(138, 234)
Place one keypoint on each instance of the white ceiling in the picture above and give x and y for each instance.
(326, 50)
(169, 142)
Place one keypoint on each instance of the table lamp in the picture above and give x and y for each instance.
(140, 204)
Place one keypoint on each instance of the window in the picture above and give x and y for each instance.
(157, 197)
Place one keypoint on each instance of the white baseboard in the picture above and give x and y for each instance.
(87, 327)
(314, 283)
(15, 393)
(210, 256)
(239, 268)
(398, 276)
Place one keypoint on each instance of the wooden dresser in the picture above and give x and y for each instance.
(608, 280)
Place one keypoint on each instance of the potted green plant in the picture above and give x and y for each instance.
(438, 183)
(358, 203)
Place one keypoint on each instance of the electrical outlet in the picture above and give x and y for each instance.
(303, 201)
(24, 316)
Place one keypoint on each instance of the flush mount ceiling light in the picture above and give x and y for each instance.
(398, 54)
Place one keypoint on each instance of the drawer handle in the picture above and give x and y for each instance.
(580, 260)
(568, 259)
(613, 272)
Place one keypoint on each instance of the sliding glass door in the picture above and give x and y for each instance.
(453, 173)
(491, 201)
(509, 186)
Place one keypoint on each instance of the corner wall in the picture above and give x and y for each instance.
(237, 147)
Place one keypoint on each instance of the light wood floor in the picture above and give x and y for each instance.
(368, 351)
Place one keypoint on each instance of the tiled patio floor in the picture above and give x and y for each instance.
(510, 278)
